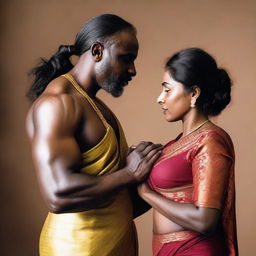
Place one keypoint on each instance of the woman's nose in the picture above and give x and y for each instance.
(160, 99)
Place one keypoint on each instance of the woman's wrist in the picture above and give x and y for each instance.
(145, 191)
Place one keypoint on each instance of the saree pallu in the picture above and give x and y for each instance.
(199, 169)
(108, 231)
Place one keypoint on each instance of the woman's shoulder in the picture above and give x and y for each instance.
(214, 131)
(217, 137)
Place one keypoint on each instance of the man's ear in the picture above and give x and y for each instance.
(97, 51)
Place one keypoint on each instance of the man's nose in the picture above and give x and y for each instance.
(132, 70)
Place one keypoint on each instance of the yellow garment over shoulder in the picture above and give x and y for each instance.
(107, 231)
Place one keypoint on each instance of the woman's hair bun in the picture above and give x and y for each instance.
(194, 66)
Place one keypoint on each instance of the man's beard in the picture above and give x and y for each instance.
(113, 86)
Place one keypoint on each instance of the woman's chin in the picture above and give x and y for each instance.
(171, 119)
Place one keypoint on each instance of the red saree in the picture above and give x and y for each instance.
(199, 169)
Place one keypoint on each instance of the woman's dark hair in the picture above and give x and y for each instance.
(195, 67)
(98, 29)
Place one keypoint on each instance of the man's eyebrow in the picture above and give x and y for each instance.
(131, 55)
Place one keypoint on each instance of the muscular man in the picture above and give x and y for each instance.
(79, 150)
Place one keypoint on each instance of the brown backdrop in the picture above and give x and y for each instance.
(30, 29)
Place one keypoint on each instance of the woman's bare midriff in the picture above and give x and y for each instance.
(162, 225)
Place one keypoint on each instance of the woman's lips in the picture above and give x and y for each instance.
(164, 110)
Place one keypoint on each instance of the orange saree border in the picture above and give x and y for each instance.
(160, 239)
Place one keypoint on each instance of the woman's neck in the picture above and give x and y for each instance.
(193, 122)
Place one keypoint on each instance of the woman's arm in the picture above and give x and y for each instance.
(189, 216)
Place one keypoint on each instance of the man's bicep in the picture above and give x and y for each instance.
(57, 152)
(53, 141)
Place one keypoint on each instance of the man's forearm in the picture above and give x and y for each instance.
(82, 192)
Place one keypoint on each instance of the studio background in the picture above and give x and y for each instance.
(33, 29)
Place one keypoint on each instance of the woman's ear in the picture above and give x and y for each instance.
(195, 93)
(97, 51)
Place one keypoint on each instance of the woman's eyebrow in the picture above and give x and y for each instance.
(165, 83)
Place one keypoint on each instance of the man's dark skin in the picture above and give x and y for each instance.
(61, 124)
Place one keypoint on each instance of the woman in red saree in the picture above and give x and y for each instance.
(191, 187)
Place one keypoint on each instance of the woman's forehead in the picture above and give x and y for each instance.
(169, 81)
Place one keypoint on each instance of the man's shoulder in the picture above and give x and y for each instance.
(56, 92)
(55, 110)
(58, 86)
(61, 102)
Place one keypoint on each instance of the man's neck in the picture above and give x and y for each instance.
(83, 75)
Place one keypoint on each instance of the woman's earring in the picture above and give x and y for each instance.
(193, 104)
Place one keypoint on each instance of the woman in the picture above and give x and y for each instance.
(191, 186)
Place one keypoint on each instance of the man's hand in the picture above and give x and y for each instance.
(140, 160)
